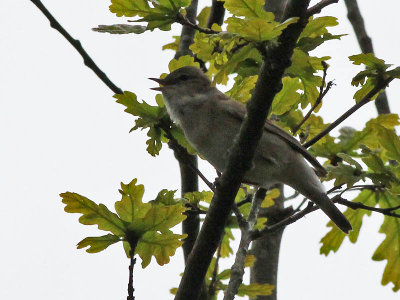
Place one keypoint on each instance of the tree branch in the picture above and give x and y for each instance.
(237, 269)
(311, 207)
(348, 113)
(217, 13)
(322, 93)
(365, 42)
(268, 85)
(316, 9)
(357, 205)
(77, 45)
(181, 19)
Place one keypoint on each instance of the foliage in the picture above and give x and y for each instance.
(144, 228)
(366, 160)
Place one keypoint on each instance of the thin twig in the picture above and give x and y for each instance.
(322, 93)
(348, 113)
(179, 150)
(357, 205)
(88, 61)
(213, 284)
(237, 269)
(181, 19)
(316, 9)
(311, 207)
(295, 194)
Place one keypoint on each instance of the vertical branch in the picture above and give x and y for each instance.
(266, 249)
(217, 13)
(189, 179)
(365, 42)
(237, 269)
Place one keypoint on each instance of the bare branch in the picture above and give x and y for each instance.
(216, 14)
(357, 205)
(88, 61)
(316, 9)
(365, 42)
(183, 156)
(384, 83)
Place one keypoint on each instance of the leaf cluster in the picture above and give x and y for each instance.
(144, 228)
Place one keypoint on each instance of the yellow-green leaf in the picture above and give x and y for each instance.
(389, 249)
(93, 214)
(161, 246)
(288, 98)
(159, 218)
(270, 197)
(182, 61)
(255, 289)
(131, 208)
(98, 243)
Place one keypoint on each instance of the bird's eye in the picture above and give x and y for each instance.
(183, 77)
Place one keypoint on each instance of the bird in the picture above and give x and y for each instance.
(211, 120)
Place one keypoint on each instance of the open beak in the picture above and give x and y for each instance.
(160, 81)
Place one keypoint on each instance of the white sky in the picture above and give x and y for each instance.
(62, 131)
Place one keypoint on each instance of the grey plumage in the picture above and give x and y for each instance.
(211, 120)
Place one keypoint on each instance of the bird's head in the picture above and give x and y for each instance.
(183, 81)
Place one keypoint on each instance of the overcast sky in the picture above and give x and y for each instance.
(61, 130)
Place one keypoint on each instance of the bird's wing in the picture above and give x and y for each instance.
(238, 111)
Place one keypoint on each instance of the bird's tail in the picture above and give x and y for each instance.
(329, 208)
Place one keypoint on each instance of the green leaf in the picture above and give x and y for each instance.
(149, 117)
(226, 249)
(120, 29)
(316, 32)
(344, 174)
(93, 214)
(159, 218)
(173, 45)
(196, 197)
(288, 98)
(303, 66)
(179, 136)
(369, 60)
(202, 17)
(166, 197)
(161, 246)
(334, 238)
(248, 8)
(255, 289)
(131, 208)
(98, 243)
(269, 199)
(161, 14)
(143, 217)
(186, 60)
(241, 90)
(232, 62)
(389, 249)
(257, 29)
